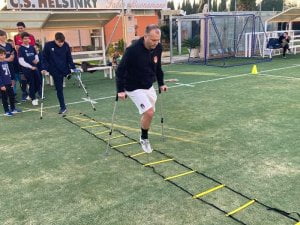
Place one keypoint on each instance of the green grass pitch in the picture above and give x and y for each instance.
(238, 128)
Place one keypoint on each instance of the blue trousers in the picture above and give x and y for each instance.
(58, 82)
(33, 79)
(8, 94)
(17, 79)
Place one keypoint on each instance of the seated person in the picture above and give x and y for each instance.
(284, 40)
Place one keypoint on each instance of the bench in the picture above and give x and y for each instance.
(272, 45)
(91, 56)
(295, 43)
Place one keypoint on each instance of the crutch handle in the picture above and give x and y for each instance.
(159, 89)
(122, 97)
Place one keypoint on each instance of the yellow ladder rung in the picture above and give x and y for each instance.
(130, 143)
(208, 191)
(78, 117)
(82, 120)
(72, 117)
(241, 208)
(158, 162)
(180, 175)
(102, 132)
(97, 125)
(113, 137)
(141, 153)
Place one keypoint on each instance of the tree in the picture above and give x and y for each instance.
(210, 3)
(195, 7)
(232, 5)
(270, 5)
(201, 5)
(222, 6)
(215, 6)
(246, 5)
(288, 5)
(170, 5)
(189, 8)
(183, 6)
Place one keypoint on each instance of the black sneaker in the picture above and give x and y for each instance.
(8, 114)
(62, 111)
(23, 98)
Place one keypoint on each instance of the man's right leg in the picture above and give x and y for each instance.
(58, 82)
(146, 121)
(145, 102)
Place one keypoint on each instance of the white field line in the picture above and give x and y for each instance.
(286, 77)
(180, 85)
(234, 76)
(89, 100)
(55, 106)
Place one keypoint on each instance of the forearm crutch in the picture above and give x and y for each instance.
(112, 125)
(42, 100)
(161, 114)
(78, 76)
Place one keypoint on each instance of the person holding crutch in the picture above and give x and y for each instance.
(139, 68)
(57, 60)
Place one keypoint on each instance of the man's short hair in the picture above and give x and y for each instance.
(21, 24)
(60, 37)
(3, 33)
(10, 40)
(2, 51)
(25, 34)
(151, 27)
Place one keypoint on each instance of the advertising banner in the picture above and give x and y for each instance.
(86, 4)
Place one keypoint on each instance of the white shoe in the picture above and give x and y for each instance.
(28, 98)
(35, 102)
(145, 145)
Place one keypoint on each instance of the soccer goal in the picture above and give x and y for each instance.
(224, 39)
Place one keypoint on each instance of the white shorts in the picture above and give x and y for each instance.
(144, 99)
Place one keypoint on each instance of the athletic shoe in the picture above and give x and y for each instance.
(16, 111)
(23, 99)
(35, 102)
(28, 98)
(146, 145)
(8, 114)
(62, 111)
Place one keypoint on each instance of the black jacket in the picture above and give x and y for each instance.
(281, 38)
(139, 68)
(57, 60)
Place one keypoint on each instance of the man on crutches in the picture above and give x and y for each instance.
(139, 68)
(57, 60)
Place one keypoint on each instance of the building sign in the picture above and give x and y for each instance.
(86, 4)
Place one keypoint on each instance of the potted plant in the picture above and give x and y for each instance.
(192, 44)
